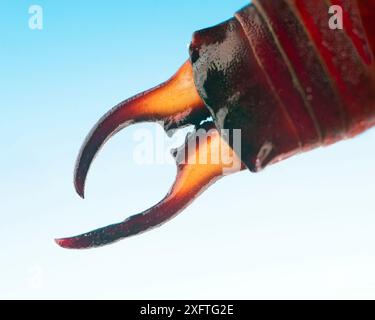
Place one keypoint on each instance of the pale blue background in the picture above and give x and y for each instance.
(301, 229)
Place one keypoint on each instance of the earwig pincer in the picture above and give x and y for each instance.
(277, 73)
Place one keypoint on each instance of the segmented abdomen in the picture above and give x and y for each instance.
(278, 72)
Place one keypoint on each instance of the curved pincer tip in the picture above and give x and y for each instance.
(80, 175)
(65, 243)
(118, 118)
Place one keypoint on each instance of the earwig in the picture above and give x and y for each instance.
(275, 71)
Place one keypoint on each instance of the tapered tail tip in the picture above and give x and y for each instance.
(62, 243)
(72, 243)
(80, 187)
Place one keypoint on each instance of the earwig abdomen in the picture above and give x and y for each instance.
(291, 83)
(278, 71)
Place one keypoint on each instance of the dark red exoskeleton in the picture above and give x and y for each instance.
(277, 72)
